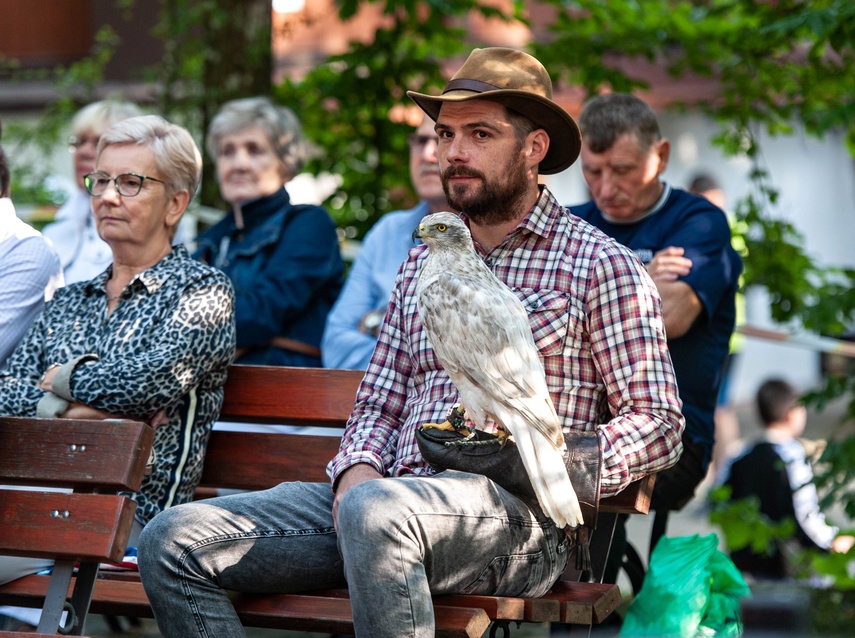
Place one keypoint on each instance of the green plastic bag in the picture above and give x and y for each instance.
(691, 589)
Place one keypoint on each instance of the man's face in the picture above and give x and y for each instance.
(424, 166)
(624, 180)
(484, 172)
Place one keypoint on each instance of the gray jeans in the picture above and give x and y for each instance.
(400, 540)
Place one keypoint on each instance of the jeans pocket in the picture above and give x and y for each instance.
(515, 575)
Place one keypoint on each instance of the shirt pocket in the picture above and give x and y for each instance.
(548, 316)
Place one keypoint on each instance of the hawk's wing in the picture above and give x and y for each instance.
(479, 330)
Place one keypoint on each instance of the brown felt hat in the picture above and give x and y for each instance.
(518, 81)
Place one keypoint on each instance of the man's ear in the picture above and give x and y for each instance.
(662, 148)
(538, 145)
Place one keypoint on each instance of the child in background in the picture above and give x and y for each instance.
(777, 471)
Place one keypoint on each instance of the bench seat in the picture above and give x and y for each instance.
(121, 593)
(83, 527)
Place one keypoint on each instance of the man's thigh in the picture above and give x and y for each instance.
(676, 486)
(471, 535)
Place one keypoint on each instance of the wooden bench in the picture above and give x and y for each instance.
(90, 525)
(254, 460)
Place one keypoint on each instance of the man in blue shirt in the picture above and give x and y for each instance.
(684, 241)
(353, 323)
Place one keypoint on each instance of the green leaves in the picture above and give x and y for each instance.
(743, 525)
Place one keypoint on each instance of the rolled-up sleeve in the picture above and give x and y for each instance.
(630, 351)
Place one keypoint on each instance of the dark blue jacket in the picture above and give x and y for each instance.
(691, 222)
(287, 271)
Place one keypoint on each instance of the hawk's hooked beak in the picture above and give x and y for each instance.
(417, 233)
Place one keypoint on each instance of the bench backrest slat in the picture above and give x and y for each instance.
(290, 396)
(86, 527)
(84, 455)
(257, 461)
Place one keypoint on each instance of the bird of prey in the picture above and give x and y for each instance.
(480, 333)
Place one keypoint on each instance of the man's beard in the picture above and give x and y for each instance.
(491, 203)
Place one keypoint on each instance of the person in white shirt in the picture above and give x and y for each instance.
(29, 275)
(29, 270)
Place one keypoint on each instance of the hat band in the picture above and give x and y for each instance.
(469, 85)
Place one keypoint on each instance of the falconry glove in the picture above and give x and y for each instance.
(470, 450)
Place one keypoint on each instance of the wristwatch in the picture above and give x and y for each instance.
(371, 321)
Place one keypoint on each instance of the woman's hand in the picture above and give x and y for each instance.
(80, 411)
(157, 419)
(46, 382)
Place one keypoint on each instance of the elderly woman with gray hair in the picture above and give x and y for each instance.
(283, 259)
(148, 339)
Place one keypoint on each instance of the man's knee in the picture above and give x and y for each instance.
(162, 535)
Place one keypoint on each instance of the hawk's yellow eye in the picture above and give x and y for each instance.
(441, 227)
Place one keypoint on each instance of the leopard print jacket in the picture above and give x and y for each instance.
(166, 346)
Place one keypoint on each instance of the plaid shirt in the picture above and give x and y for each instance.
(596, 319)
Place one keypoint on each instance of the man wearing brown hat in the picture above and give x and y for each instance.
(393, 542)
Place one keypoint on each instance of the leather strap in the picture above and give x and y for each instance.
(296, 346)
(284, 343)
(476, 86)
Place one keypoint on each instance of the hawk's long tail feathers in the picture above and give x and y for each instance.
(544, 464)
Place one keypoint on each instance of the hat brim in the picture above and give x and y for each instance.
(565, 141)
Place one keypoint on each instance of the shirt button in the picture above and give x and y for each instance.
(490, 261)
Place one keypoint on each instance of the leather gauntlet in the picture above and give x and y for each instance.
(499, 460)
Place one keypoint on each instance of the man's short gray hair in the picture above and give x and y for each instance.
(278, 122)
(606, 118)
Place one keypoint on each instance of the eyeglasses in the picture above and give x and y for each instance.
(75, 143)
(418, 142)
(127, 184)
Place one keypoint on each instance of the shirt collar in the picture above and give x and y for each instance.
(257, 210)
(151, 279)
(544, 215)
(11, 225)
(7, 216)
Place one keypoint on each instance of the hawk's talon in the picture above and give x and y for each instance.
(445, 425)
(456, 417)
(454, 422)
